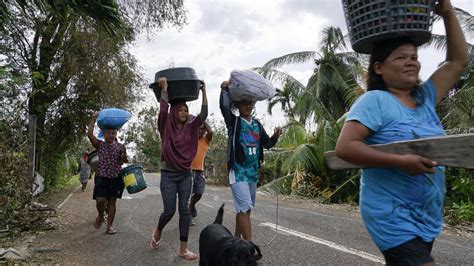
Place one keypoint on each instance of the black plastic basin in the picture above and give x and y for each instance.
(183, 84)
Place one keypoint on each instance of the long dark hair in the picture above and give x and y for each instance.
(381, 51)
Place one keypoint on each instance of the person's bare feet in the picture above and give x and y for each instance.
(98, 222)
(188, 255)
(111, 231)
(154, 243)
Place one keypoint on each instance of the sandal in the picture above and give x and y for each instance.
(111, 231)
(154, 244)
(98, 222)
(188, 255)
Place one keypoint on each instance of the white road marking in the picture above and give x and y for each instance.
(66, 199)
(207, 205)
(310, 212)
(327, 243)
(213, 188)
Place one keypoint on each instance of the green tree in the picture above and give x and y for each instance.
(334, 83)
(219, 133)
(107, 15)
(62, 60)
(13, 147)
(144, 134)
(216, 158)
(288, 96)
(75, 55)
(325, 99)
(457, 109)
(285, 97)
(457, 115)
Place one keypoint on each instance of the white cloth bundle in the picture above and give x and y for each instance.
(247, 85)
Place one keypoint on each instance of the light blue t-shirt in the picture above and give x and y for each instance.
(395, 206)
(249, 138)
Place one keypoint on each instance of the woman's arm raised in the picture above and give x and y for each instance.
(457, 57)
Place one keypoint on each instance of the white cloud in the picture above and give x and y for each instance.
(226, 35)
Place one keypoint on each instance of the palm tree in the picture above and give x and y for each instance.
(457, 110)
(334, 82)
(306, 164)
(325, 99)
(285, 97)
(109, 16)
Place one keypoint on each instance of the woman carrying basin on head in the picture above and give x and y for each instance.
(179, 135)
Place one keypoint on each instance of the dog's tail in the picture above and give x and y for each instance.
(220, 214)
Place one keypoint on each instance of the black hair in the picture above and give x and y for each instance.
(175, 103)
(380, 52)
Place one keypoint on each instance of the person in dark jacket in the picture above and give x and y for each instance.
(246, 140)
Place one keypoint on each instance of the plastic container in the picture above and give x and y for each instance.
(112, 118)
(369, 21)
(132, 177)
(183, 84)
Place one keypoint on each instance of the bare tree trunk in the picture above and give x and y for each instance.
(31, 152)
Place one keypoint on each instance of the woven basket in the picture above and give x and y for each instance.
(369, 21)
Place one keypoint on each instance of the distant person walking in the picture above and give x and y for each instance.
(199, 181)
(84, 170)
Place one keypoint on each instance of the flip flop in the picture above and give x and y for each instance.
(98, 222)
(188, 255)
(111, 231)
(154, 244)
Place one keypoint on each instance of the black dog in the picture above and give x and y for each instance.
(217, 246)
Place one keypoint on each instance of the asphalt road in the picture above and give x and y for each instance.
(308, 233)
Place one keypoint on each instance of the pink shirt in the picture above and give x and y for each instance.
(110, 161)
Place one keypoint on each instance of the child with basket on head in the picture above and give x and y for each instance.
(246, 140)
(179, 136)
(402, 196)
(108, 187)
